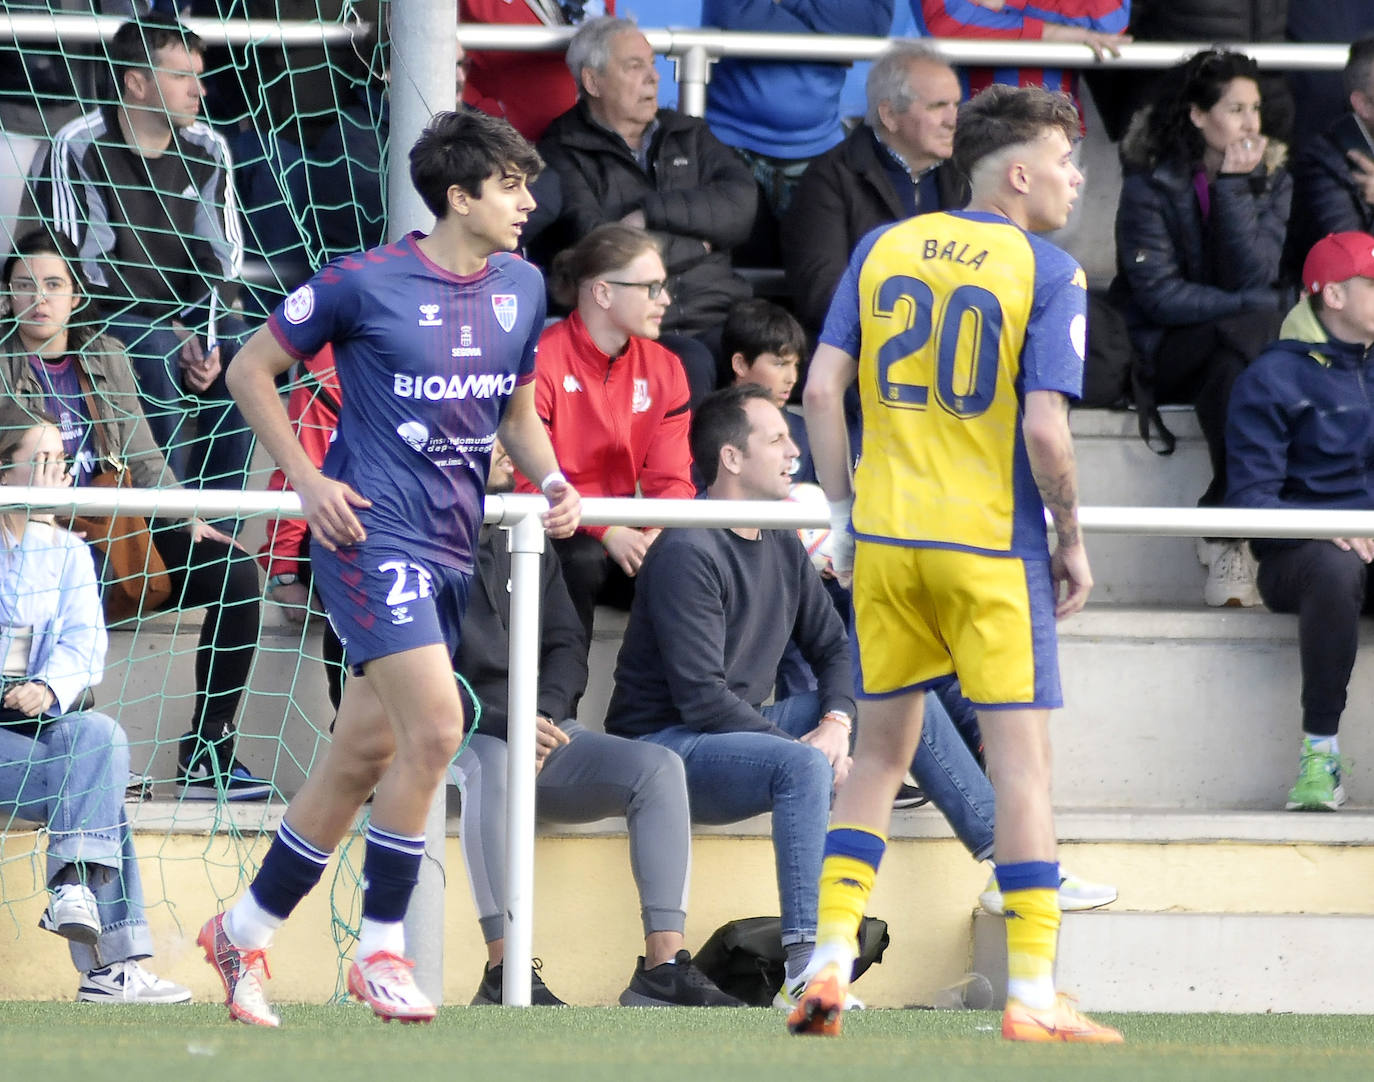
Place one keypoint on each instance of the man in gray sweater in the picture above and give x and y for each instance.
(713, 611)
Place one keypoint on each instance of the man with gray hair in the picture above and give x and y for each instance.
(892, 166)
(1333, 177)
(622, 158)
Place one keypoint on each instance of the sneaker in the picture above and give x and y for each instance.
(678, 983)
(790, 994)
(1318, 787)
(1062, 1022)
(820, 1004)
(1075, 895)
(208, 771)
(489, 991)
(1231, 579)
(72, 914)
(386, 983)
(242, 972)
(909, 795)
(139, 787)
(128, 982)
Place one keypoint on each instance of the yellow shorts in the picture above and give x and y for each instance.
(922, 613)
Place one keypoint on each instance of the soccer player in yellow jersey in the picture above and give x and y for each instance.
(966, 334)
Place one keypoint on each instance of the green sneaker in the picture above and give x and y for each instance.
(1319, 782)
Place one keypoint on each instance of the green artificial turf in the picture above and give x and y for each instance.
(47, 1041)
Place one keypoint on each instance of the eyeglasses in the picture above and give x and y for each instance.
(653, 288)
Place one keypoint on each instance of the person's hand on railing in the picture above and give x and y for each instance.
(1102, 45)
(200, 530)
(565, 508)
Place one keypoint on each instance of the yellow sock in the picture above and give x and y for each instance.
(1032, 918)
(852, 855)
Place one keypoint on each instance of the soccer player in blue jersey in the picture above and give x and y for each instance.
(966, 333)
(434, 339)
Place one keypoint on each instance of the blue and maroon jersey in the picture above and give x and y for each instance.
(427, 361)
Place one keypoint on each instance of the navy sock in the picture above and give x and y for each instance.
(391, 867)
(290, 870)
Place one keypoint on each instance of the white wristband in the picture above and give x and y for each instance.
(554, 478)
(840, 513)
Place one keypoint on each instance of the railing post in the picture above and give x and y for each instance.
(693, 71)
(422, 71)
(526, 540)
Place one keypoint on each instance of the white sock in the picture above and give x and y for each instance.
(248, 925)
(1327, 745)
(381, 935)
(1037, 994)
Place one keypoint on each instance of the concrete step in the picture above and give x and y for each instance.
(1116, 469)
(1198, 962)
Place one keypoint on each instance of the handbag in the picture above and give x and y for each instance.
(135, 578)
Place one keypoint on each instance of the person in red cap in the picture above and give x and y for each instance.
(1300, 434)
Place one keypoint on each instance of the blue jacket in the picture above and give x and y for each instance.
(1173, 269)
(1325, 196)
(784, 108)
(1300, 426)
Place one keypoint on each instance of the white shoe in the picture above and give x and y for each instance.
(1231, 579)
(72, 913)
(1075, 895)
(789, 995)
(128, 982)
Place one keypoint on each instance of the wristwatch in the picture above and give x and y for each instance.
(288, 579)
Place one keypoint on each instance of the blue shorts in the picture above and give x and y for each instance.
(382, 599)
(922, 613)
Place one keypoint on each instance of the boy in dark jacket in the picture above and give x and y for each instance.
(1300, 434)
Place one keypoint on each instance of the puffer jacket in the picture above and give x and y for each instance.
(1325, 196)
(1211, 20)
(1173, 269)
(698, 199)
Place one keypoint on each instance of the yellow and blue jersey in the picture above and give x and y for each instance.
(953, 317)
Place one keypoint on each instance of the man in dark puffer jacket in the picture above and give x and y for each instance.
(621, 158)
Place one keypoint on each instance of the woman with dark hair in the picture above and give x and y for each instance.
(51, 358)
(615, 403)
(1199, 236)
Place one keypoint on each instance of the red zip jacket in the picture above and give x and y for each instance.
(314, 411)
(617, 423)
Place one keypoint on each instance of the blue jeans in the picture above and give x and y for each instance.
(948, 773)
(71, 776)
(222, 447)
(734, 776)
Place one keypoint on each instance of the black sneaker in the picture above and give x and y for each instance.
(489, 991)
(910, 795)
(674, 984)
(208, 771)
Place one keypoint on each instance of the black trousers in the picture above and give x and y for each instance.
(1328, 589)
(592, 578)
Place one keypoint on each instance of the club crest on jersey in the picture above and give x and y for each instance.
(299, 305)
(429, 316)
(506, 306)
(641, 401)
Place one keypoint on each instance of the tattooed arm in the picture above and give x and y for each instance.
(1049, 446)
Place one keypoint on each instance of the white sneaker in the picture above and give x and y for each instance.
(1231, 579)
(128, 982)
(789, 995)
(72, 914)
(1075, 895)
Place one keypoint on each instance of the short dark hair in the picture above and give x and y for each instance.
(1359, 69)
(721, 421)
(756, 326)
(136, 42)
(465, 148)
(1002, 116)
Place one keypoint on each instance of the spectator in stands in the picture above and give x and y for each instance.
(1098, 24)
(1320, 95)
(1300, 435)
(1199, 239)
(51, 356)
(893, 165)
(582, 776)
(1333, 178)
(713, 611)
(623, 159)
(528, 89)
(59, 765)
(615, 403)
(779, 114)
(144, 189)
